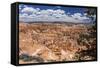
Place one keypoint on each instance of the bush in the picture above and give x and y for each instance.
(25, 57)
(37, 59)
(83, 39)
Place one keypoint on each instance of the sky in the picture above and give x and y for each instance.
(33, 13)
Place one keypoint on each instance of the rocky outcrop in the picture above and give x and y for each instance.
(53, 42)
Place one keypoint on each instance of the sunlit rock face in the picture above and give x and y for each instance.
(48, 42)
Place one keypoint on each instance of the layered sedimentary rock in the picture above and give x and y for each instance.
(49, 42)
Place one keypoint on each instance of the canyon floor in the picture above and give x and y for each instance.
(55, 42)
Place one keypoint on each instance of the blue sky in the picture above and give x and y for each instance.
(31, 13)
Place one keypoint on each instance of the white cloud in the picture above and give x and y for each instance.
(29, 10)
(58, 6)
(77, 15)
(22, 6)
(49, 15)
(80, 17)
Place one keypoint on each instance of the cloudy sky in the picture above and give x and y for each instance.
(32, 13)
